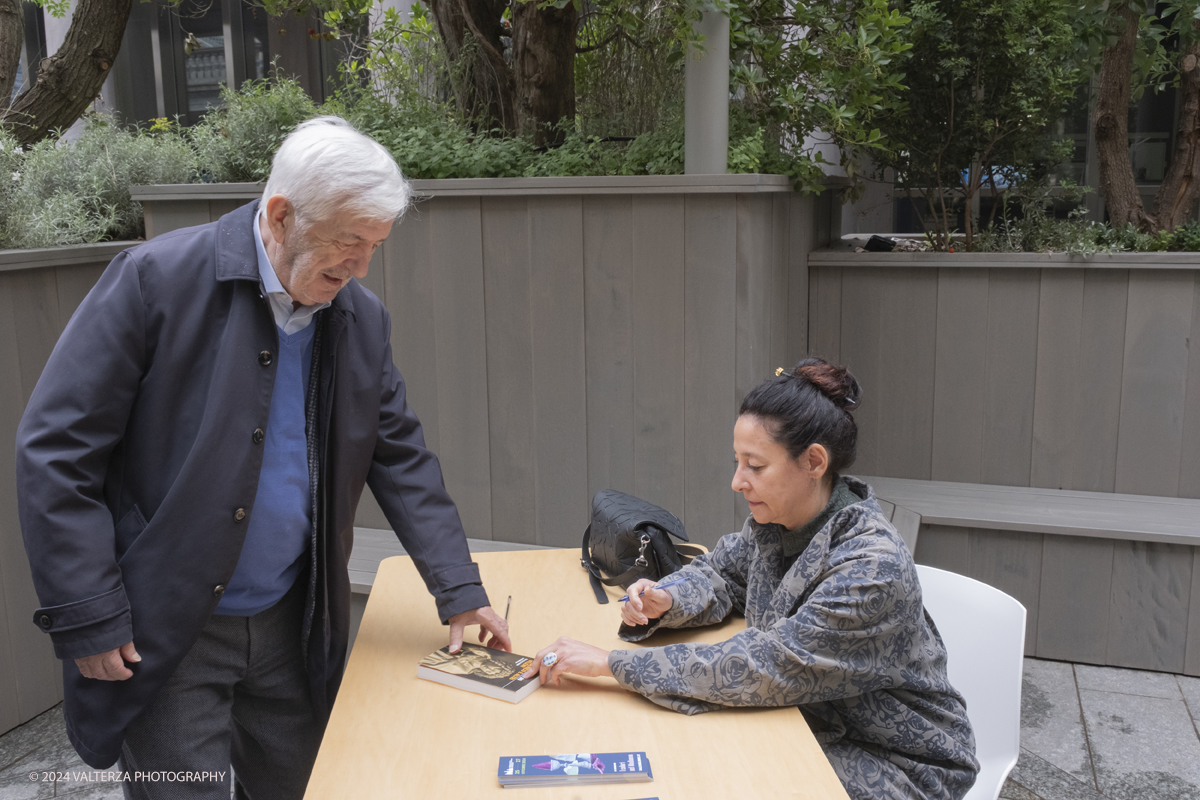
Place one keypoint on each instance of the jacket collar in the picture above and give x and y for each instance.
(237, 255)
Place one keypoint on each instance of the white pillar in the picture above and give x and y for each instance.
(706, 99)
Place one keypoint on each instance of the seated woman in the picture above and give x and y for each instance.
(834, 620)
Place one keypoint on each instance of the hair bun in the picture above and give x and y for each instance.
(835, 382)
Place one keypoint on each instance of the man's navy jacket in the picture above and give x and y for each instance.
(138, 464)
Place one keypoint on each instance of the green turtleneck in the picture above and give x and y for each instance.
(795, 541)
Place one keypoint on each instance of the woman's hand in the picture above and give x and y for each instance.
(574, 658)
(641, 608)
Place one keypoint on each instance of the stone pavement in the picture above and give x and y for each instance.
(1086, 733)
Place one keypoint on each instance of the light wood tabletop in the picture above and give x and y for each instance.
(392, 735)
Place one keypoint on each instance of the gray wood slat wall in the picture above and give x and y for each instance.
(1060, 377)
(1056, 377)
(1092, 600)
(35, 305)
(557, 345)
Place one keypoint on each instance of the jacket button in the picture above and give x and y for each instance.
(239, 515)
(45, 621)
(218, 590)
(264, 358)
(258, 436)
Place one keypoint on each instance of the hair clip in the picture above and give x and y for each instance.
(778, 371)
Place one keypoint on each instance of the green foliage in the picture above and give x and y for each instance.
(63, 192)
(811, 74)
(985, 78)
(237, 141)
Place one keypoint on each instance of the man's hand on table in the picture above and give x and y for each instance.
(488, 621)
(571, 658)
(109, 666)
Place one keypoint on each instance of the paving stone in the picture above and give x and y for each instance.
(1048, 782)
(1191, 695)
(1143, 748)
(96, 791)
(1051, 721)
(25, 741)
(1015, 791)
(1127, 681)
(19, 787)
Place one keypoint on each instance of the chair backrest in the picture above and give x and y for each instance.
(984, 633)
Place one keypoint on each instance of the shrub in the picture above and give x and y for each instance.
(70, 192)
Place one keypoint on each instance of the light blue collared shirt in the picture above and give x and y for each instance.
(289, 321)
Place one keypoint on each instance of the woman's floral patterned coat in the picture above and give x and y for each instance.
(842, 634)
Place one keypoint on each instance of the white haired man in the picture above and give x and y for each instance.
(189, 466)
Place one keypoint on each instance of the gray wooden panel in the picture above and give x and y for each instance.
(1012, 341)
(1189, 463)
(1011, 561)
(862, 298)
(12, 551)
(35, 309)
(1154, 384)
(779, 298)
(1074, 602)
(658, 354)
(905, 380)
(798, 209)
(1148, 613)
(1191, 658)
(31, 311)
(462, 360)
(167, 216)
(825, 313)
(945, 547)
(219, 208)
(74, 283)
(960, 375)
(1060, 323)
(1098, 393)
(710, 358)
(511, 400)
(559, 369)
(608, 290)
(408, 260)
(753, 290)
(908, 524)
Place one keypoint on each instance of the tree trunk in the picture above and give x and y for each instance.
(1181, 186)
(1112, 124)
(471, 31)
(71, 78)
(12, 34)
(544, 59)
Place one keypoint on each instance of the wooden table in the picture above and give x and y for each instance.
(394, 736)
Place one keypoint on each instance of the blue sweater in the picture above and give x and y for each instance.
(281, 518)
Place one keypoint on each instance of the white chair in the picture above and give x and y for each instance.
(984, 632)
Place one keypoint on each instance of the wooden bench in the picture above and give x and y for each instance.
(1106, 578)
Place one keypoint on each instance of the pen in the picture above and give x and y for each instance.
(663, 585)
(507, 606)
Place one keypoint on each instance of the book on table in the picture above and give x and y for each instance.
(574, 768)
(482, 670)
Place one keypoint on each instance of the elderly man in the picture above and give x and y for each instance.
(189, 467)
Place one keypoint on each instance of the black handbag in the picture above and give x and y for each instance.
(629, 539)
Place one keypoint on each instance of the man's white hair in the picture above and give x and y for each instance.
(325, 166)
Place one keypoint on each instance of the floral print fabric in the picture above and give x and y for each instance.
(842, 634)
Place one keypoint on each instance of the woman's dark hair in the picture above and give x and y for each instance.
(810, 405)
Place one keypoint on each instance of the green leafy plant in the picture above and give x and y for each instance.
(70, 192)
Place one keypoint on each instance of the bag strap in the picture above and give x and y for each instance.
(595, 576)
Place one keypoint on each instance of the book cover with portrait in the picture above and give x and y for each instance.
(474, 668)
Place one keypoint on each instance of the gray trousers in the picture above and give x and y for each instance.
(239, 696)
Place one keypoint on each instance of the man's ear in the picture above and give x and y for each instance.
(815, 461)
(280, 217)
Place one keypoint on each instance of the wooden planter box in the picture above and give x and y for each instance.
(39, 290)
(1051, 372)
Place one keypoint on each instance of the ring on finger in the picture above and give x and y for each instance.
(550, 659)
